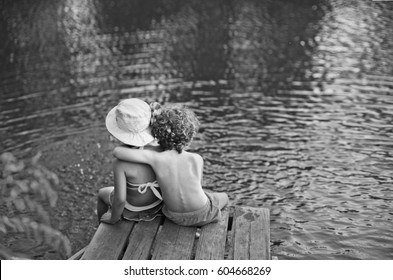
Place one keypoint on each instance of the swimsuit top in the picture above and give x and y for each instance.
(142, 188)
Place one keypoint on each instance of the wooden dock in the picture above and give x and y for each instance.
(243, 233)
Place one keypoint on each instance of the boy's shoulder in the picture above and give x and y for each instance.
(194, 156)
(174, 154)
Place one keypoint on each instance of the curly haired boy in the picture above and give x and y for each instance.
(178, 172)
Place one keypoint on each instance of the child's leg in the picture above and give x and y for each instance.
(103, 201)
(220, 199)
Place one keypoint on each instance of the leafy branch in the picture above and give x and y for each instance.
(24, 187)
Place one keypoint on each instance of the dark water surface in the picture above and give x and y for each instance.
(295, 100)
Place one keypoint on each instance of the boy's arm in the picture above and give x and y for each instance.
(134, 155)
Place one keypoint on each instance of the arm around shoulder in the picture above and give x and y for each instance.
(134, 155)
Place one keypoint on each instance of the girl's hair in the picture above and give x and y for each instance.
(174, 126)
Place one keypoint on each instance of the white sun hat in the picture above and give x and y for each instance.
(129, 122)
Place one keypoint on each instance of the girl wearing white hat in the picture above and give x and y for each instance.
(136, 194)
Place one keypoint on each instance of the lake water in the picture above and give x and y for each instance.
(295, 100)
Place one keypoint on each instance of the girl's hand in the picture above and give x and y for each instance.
(107, 218)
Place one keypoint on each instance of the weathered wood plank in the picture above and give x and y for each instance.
(251, 233)
(211, 243)
(260, 236)
(141, 240)
(109, 241)
(78, 254)
(174, 242)
(240, 236)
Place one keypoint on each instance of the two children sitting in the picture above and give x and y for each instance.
(151, 177)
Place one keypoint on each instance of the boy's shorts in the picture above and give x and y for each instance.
(210, 213)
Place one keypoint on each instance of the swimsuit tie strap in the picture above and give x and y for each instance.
(152, 185)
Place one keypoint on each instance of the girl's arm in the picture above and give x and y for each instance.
(119, 197)
(134, 155)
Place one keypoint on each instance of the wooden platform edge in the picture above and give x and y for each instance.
(78, 254)
(100, 249)
(250, 233)
(252, 224)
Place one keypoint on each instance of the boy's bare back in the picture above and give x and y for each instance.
(180, 178)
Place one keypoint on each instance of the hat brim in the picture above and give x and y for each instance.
(134, 139)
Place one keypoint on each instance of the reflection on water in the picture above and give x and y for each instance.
(295, 100)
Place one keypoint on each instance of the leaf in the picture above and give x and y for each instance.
(19, 204)
(34, 186)
(51, 176)
(52, 197)
(14, 193)
(2, 227)
(35, 159)
(8, 223)
(7, 158)
(14, 167)
(66, 245)
(35, 230)
(18, 225)
(23, 185)
(9, 204)
(31, 204)
(42, 213)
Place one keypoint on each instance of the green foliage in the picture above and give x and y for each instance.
(24, 189)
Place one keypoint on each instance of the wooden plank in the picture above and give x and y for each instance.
(109, 241)
(174, 242)
(78, 254)
(251, 233)
(260, 235)
(141, 240)
(211, 243)
(240, 236)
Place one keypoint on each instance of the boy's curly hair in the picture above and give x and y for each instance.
(174, 126)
